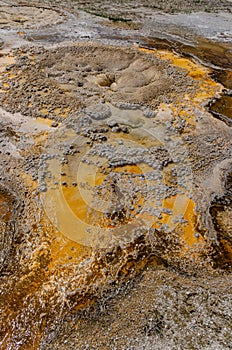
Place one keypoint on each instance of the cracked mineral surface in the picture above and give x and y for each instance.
(116, 175)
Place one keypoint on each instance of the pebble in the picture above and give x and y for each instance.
(43, 188)
(148, 113)
(116, 129)
(98, 111)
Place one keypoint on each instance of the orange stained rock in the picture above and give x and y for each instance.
(60, 251)
(181, 204)
(28, 181)
(65, 251)
(44, 110)
(208, 87)
(21, 32)
(45, 121)
(196, 71)
(78, 202)
(81, 202)
(5, 207)
(61, 112)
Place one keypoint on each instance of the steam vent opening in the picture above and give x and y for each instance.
(115, 169)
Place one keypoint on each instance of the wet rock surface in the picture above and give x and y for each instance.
(151, 326)
(115, 196)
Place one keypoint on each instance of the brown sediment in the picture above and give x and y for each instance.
(6, 205)
(218, 55)
(221, 211)
(223, 76)
(121, 24)
(222, 109)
